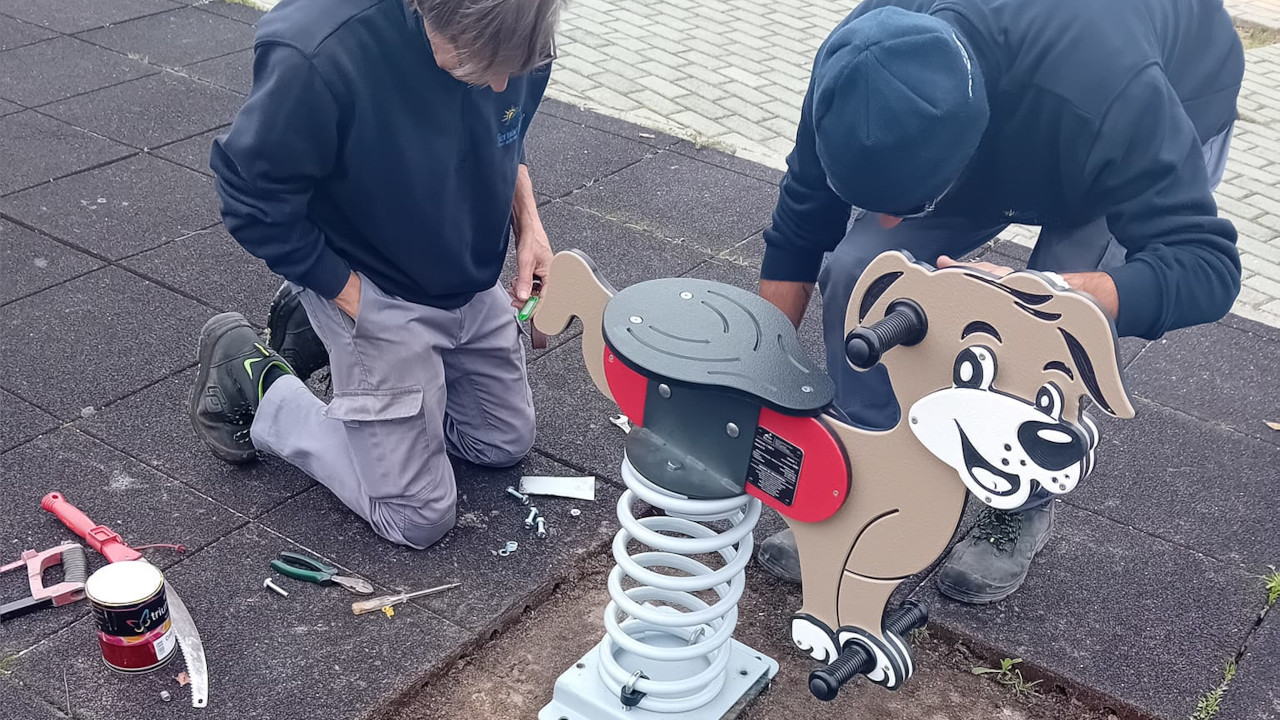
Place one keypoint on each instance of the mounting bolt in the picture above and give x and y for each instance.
(275, 588)
(731, 430)
(533, 515)
(664, 390)
(542, 528)
(524, 499)
(806, 389)
(686, 295)
(673, 465)
(636, 319)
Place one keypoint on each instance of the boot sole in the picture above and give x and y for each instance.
(971, 599)
(209, 336)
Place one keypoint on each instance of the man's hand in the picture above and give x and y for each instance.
(1097, 285)
(792, 298)
(348, 300)
(533, 249)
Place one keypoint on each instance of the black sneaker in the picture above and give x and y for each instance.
(229, 384)
(992, 561)
(778, 554)
(289, 333)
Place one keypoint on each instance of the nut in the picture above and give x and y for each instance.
(575, 512)
(165, 696)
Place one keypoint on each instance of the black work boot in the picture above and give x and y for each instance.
(230, 382)
(993, 560)
(289, 333)
(778, 554)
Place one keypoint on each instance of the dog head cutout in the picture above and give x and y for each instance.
(1007, 414)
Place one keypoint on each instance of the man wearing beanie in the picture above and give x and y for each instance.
(933, 124)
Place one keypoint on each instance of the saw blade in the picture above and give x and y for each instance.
(192, 648)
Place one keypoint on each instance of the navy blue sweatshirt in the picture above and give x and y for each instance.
(355, 151)
(1099, 108)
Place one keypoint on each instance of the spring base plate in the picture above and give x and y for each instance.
(581, 695)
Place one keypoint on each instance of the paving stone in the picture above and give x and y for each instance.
(142, 505)
(1090, 613)
(305, 657)
(172, 39)
(150, 111)
(122, 208)
(96, 339)
(24, 704)
(1167, 474)
(564, 156)
(16, 33)
(1255, 692)
(34, 263)
(658, 193)
(1215, 373)
(233, 10)
(233, 72)
(581, 116)
(493, 587)
(192, 152)
(70, 16)
(153, 426)
(82, 67)
(35, 149)
(19, 422)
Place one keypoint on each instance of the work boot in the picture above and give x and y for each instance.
(778, 554)
(289, 333)
(993, 560)
(235, 370)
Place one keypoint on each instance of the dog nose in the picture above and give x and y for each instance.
(1052, 446)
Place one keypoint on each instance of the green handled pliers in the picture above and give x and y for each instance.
(301, 567)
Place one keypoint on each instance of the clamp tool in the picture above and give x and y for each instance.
(74, 572)
(307, 569)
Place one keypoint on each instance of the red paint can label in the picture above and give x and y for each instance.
(132, 614)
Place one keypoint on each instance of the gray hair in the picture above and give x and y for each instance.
(495, 37)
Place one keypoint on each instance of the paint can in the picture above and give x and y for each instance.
(131, 609)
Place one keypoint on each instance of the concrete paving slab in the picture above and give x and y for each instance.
(234, 10)
(658, 193)
(305, 657)
(35, 262)
(152, 426)
(25, 76)
(212, 267)
(564, 156)
(96, 339)
(70, 16)
(16, 33)
(1090, 614)
(233, 72)
(36, 149)
(193, 152)
(120, 209)
(1191, 482)
(152, 111)
(24, 704)
(20, 421)
(1254, 694)
(493, 588)
(580, 116)
(177, 38)
(1216, 373)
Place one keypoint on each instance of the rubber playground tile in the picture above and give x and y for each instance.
(573, 417)
(35, 262)
(193, 152)
(95, 339)
(150, 111)
(304, 657)
(746, 167)
(234, 10)
(1127, 615)
(1188, 481)
(70, 16)
(685, 200)
(120, 209)
(493, 587)
(81, 68)
(20, 421)
(177, 38)
(622, 128)
(211, 266)
(8, 108)
(16, 33)
(25, 705)
(1254, 694)
(233, 72)
(564, 156)
(153, 427)
(36, 149)
(1216, 373)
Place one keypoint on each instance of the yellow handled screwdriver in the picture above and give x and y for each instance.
(373, 604)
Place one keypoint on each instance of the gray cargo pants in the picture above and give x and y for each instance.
(412, 385)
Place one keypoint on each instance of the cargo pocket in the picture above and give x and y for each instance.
(390, 439)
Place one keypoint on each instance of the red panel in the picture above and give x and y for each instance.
(823, 483)
(627, 385)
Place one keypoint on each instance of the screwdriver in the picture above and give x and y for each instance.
(373, 604)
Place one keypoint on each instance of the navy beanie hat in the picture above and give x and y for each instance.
(898, 109)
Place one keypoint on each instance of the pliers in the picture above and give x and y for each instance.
(301, 567)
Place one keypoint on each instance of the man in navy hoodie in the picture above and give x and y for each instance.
(378, 166)
(933, 124)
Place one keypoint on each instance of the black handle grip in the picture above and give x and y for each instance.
(855, 659)
(904, 324)
(75, 567)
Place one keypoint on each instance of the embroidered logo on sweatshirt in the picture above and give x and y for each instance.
(512, 120)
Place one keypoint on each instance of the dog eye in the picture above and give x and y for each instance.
(975, 368)
(1049, 400)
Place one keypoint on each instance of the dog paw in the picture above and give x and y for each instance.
(814, 638)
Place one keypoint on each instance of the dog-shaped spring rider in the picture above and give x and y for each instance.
(729, 414)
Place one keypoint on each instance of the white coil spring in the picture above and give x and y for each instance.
(703, 629)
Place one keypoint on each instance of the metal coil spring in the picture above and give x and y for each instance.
(703, 629)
